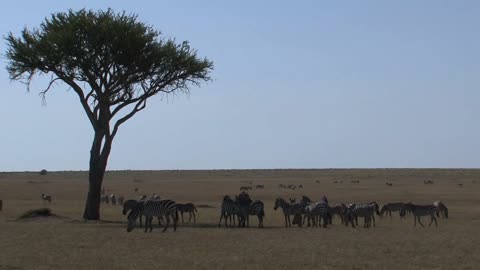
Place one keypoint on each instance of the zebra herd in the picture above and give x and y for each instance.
(156, 207)
(237, 211)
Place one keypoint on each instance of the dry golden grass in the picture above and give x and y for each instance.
(69, 243)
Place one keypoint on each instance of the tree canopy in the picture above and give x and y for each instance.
(113, 62)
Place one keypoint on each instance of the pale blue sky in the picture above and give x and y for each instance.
(297, 84)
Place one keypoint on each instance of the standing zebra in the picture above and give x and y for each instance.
(46, 198)
(228, 209)
(419, 211)
(317, 212)
(367, 211)
(187, 208)
(339, 210)
(113, 199)
(255, 208)
(288, 210)
(167, 208)
(442, 210)
(391, 207)
(120, 200)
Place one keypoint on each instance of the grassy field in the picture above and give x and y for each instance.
(70, 243)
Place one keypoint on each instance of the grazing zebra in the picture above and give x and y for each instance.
(317, 212)
(339, 210)
(288, 210)
(419, 211)
(228, 209)
(187, 208)
(391, 207)
(46, 198)
(132, 204)
(442, 210)
(167, 208)
(366, 210)
(113, 199)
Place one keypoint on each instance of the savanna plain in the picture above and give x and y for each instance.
(68, 242)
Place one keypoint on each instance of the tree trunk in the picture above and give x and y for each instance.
(98, 165)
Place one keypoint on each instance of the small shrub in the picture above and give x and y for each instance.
(43, 172)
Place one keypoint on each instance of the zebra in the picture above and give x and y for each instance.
(367, 211)
(339, 210)
(113, 199)
(317, 211)
(228, 209)
(255, 208)
(243, 202)
(259, 186)
(167, 208)
(420, 210)
(245, 188)
(188, 208)
(391, 207)
(288, 210)
(155, 197)
(120, 200)
(46, 198)
(132, 204)
(442, 210)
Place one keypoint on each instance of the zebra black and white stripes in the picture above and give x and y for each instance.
(228, 210)
(419, 211)
(187, 208)
(315, 212)
(365, 210)
(288, 210)
(391, 207)
(163, 208)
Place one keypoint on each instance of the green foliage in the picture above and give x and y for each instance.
(120, 59)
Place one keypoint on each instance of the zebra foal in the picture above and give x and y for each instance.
(187, 208)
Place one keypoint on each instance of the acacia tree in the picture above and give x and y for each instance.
(114, 63)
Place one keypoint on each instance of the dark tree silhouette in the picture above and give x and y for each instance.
(114, 63)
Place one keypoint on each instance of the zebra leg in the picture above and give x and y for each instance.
(189, 217)
(181, 213)
(419, 221)
(193, 213)
(220, 221)
(373, 219)
(141, 220)
(175, 222)
(286, 221)
(168, 222)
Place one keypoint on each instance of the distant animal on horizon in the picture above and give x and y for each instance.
(259, 186)
(46, 198)
(427, 182)
(246, 188)
(136, 189)
(356, 181)
(389, 184)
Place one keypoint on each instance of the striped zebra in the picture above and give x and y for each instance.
(187, 208)
(316, 212)
(419, 211)
(391, 207)
(166, 208)
(120, 200)
(255, 208)
(288, 210)
(129, 205)
(113, 199)
(339, 210)
(365, 210)
(228, 209)
(442, 210)
(46, 198)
